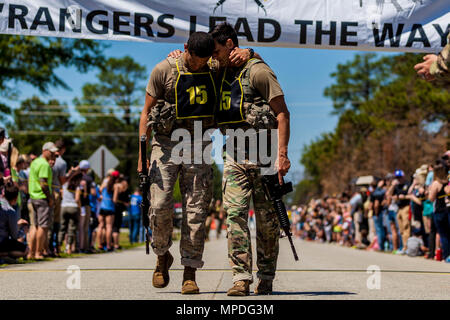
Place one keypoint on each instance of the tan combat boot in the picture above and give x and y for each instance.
(263, 287)
(241, 288)
(189, 285)
(161, 274)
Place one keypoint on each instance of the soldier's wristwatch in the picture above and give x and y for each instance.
(252, 52)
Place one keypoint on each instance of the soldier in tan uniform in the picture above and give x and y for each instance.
(250, 97)
(180, 92)
(436, 67)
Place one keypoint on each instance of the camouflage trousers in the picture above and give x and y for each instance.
(195, 182)
(240, 182)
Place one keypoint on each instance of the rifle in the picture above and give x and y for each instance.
(144, 185)
(274, 192)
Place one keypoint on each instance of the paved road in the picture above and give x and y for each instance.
(324, 272)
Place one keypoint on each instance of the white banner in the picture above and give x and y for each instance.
(387, 25)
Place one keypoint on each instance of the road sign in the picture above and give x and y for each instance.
(102, 160)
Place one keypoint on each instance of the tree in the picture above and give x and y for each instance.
(305, 190)
(106, 107)
(217, 185)
(217, 182)
(385, 114)
(316, 156)
(34, 60)
(357, 81)
(35, 116)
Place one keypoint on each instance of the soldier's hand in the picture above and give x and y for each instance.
(175, 54)
(139, 166)
(423, 68)
(238, 56)
(283, 166)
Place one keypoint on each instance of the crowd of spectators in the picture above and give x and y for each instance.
(392, 214)
(46, 208)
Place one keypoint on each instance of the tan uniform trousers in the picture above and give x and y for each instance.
(195, 182)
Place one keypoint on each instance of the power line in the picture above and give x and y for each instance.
(86, 107)
(80, 134)
(68, 114)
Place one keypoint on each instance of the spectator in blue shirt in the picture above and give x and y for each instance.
(135, 215)
(94, 203)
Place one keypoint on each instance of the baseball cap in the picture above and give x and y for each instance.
(84, 165)
(399, 173)
(422, 170)
(389, 176)
(115, 174)
(50, 146)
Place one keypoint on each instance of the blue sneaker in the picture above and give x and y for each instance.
(448, 259)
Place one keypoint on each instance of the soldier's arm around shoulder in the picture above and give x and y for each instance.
(155, 90)
(263, 79)
(440, 69)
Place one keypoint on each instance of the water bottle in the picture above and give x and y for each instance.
(386, 246)
(438, 256)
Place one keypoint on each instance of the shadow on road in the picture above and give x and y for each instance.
(201, 292)
(282, 293)
(312, 293)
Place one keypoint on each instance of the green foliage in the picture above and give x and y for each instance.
(384, 111)
(29, 118)
(106, 107)
(305, 190)
(121, 81)
(177, 192)
(356, 81)
(217, 183)
(408, 97)
(34, 60)
(4, 110)
(317, 153)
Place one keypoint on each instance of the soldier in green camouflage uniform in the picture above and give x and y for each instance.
(240, 183)
(180, 95)
(436, 67)
(250, 98)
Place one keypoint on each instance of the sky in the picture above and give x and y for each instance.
(303, 75)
